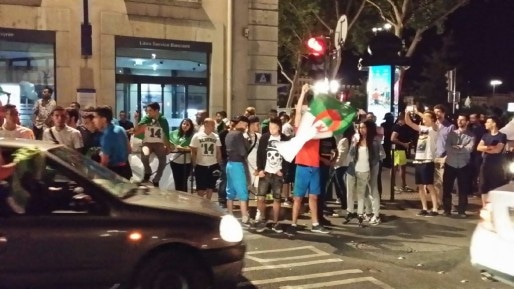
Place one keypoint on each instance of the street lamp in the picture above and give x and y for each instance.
(494, 83)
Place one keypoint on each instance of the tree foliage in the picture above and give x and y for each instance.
(415, 16)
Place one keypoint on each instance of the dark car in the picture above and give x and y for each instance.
(67, 222)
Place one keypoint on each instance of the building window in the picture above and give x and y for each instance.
(174, 74)
(27, 65)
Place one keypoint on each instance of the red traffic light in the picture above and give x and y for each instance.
(316, 46)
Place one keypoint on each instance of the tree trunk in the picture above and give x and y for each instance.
(295, 81)
(293, 88)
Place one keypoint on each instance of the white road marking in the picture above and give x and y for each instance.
(298, 277)
(317, 252)
(290, 265)
(340, 282)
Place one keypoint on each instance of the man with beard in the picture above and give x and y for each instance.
(478, 130)
(42, 111)
(10, 128)
(459, 145)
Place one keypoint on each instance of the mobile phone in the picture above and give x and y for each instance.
(410, 108)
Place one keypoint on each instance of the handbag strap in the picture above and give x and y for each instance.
(53, 136)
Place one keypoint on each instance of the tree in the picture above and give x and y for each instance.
(301, 19)
(432, 85)
(412, 18)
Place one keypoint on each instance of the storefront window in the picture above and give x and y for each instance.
(27, 65)
(174, 74)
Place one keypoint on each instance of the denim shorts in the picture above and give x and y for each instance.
(270, 183)
(306, 181)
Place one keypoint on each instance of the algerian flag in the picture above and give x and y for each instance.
(325, 117)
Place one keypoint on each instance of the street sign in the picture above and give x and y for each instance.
(341, 32)
(262, 78)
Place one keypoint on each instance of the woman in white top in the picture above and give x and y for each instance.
(362, 173)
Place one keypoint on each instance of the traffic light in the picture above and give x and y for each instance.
(316, 56)
(317, 46)
(450, 80)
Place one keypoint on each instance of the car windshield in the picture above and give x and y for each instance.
(97, 173)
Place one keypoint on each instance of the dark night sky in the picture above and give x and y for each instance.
(483, 33)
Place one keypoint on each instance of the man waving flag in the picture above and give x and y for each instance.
(324, 117)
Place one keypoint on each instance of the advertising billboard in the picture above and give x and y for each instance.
(379, 91)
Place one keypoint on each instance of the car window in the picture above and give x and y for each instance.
(47, 188)
(98, 174)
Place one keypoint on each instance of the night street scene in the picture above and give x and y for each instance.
(256, 144)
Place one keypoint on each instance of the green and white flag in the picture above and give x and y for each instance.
(325, 117)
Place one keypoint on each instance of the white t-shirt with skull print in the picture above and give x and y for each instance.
(273, 158)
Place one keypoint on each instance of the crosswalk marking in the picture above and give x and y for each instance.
(290, 265)
(299, 277)
(317, 253)
(340, 282)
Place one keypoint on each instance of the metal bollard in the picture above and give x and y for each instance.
(393, 174)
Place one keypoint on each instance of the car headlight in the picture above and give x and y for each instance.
(511, 167)
(230, 229)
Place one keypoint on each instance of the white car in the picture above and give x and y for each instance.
(492, 244)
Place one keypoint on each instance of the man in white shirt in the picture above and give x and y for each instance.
(253, 136)
(42, 111)
(206, 157)
(11, 128)
(424, 159)
(287, 127)
(61, 133)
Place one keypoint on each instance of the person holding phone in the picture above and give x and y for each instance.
(492, 174)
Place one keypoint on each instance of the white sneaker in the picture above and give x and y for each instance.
(375, 221)
(258, 215)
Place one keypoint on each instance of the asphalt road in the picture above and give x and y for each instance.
(404, 252)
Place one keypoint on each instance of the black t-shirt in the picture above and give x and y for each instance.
(388, 131)
(491, 140)
(326, 146)
(404, 135)
(223, 135)
(126, 124)
(90, 139)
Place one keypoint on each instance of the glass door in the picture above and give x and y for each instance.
(131, 97)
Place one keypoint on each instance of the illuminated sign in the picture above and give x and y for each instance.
(379, 91)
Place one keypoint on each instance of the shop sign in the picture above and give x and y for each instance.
(25, 35)
(122, 41)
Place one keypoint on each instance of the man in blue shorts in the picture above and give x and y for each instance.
(237, 174)
(307, 177)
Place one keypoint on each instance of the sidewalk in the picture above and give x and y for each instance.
(409, 200)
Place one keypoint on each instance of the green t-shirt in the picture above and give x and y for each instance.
(163, 123)
(177, 140)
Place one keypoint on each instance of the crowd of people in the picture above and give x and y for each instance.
(238, 157)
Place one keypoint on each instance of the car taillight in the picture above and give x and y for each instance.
(486, 214)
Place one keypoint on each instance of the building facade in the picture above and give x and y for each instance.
(187, 55)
